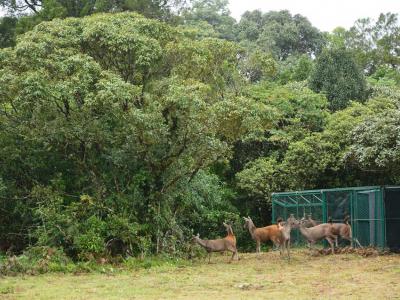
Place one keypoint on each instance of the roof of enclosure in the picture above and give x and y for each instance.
(312, 197)
(320, 191)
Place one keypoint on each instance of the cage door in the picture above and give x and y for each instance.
(368, 221)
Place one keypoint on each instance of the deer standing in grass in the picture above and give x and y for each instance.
(228, 243)
(316, 233)
(263, 234)
(286, 228)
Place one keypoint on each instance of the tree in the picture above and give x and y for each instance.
(7, 31)
(337, 75)
(375, 43)
(31, 12)
(280, 33)
(215, 13)
(258, 65)
(80, 8)
(294, 68)
(21, 6)
(374, 140)
(113, 135)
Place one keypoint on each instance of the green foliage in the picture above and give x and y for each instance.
(37, 260)
(66, 95)
(122, 135)
(294, 69)
(375, 43)
(280, 33)
(259, 178)
(7, 31)
(215, 13)
(386, 75)
(258, 65)
(337, 75)
(375, 141)
(307, 160)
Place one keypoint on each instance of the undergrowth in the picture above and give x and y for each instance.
(40, 260)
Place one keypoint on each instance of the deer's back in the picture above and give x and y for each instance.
(341, 229)
(320, 231)
(267, 232)
(221, 244)
(230, 239)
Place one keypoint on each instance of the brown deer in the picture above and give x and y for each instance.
(228, 243)
(343, 230)
(263, 234)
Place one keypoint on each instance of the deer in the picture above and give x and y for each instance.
(286, 228)
(343, 230)
(316, 233)
(227, 243)
(311, 222)
(263, 234)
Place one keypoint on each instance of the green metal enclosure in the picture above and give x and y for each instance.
(374, 211)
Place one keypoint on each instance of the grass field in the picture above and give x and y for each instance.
(341, 276)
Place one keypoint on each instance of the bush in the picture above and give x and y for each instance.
(37, 260)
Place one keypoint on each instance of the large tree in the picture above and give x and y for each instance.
(337, 74)
(375, 42)
(280, 32)
(106, 122)
(213, 12)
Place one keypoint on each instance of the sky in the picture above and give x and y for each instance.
(323, 14)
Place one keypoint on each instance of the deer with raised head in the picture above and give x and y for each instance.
(343, 230)
(286, 228)
(228, 243)
(311, 222)
(263, 234)
(317, 233)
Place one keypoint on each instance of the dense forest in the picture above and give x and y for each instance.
(129, 125)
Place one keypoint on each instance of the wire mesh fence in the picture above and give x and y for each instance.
(374, 212)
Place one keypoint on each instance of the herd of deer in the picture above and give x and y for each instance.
(279, 235)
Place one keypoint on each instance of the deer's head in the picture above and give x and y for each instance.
(303, 222)
(248, 222)
(195, 238)
(228, 228)
(293, 222)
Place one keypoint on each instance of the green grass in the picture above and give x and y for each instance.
(346, 276)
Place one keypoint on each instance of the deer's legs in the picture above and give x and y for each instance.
(311, 243)
(234, 254)
(209, 257)
(278, 244)
(350, 239)
(330, 241)
(258, 246)
(288, 248)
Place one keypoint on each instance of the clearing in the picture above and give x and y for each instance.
(341, 276)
